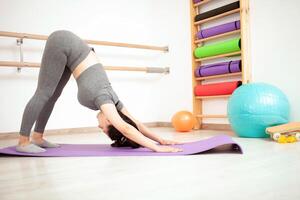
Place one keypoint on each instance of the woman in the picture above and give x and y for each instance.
(66, 54)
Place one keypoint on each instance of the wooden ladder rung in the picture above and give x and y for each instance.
(211, 116)
(218, 76)
(201, 3)
(217, 36)
(212, 97)
(219, 56)
(217, 16)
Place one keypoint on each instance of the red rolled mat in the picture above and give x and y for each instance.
(216, 88)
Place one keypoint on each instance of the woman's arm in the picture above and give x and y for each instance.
(142, 128)
(111, 113)
(146, 131)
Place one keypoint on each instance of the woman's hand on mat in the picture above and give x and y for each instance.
(167, 149)
(168, 142)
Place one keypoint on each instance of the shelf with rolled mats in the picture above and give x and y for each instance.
(218, 76)
(243, 53)
(217, 17)
(212, 97)
(217, 36)
(211, 116)
(219, 56)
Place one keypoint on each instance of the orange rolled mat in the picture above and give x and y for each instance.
(217, 88)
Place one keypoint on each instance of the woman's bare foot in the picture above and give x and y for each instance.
(37, 139)
(23, 140)
(25, 146)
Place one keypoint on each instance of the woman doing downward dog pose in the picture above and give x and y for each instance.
(65, 54)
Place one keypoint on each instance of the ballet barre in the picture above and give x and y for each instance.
(96, 42)
(165, 70)
(22, 64)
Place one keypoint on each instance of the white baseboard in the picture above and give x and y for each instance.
(80, 130)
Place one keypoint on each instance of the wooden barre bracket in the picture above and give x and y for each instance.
(96, 42)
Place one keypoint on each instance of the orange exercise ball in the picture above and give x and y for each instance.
(183, 121)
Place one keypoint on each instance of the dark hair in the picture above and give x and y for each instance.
(119, 139)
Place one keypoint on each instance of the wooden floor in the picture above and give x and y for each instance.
(265, 171)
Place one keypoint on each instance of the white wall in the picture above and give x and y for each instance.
(275, 30)
(150, 97)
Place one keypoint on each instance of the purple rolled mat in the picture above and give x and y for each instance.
(80, 150)
(218, 68)
(216, 30)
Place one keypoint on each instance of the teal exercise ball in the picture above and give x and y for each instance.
(255, 106)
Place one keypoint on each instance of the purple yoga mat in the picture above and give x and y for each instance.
(80, 150)
(216, 30)
(218, 68)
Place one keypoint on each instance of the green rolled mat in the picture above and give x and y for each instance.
(228, 46)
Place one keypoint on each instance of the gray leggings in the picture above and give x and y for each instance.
(63, 52)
